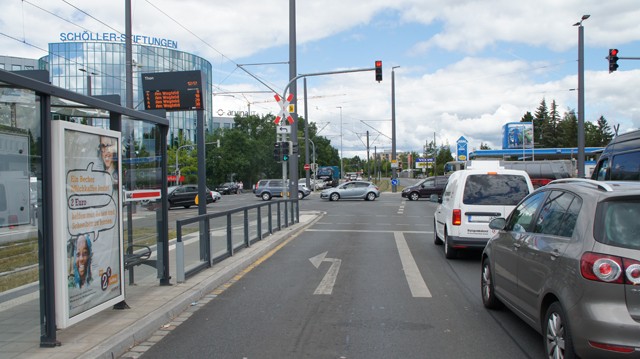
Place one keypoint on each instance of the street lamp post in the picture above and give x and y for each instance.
(89, 90)
(341, 153)
(581, 95)
(177, 170)
(394, 170)
(178, 151)
(89, 73)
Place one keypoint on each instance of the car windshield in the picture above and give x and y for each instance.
(621, 225)
(488, 189)
(171, 189)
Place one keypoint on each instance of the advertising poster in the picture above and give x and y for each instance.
(518, 135)
(88, 227)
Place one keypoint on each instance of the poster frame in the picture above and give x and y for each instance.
(62, 232)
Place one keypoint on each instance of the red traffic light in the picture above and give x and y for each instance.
(378, 70)
(613, 60)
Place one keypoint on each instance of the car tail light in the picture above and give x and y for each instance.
(610, 269)
(612, 347)
(456, 218)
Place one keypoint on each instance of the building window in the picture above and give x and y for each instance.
(28, 67)
(16, 67)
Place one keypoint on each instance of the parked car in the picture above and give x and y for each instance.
(315, 184)
(185, 195)
(269, 188)
(620, 160)
(425, 188)
(352, 190)
(567, 261)
(228, 188)
(471, 199)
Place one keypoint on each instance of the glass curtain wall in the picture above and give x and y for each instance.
(99, 68)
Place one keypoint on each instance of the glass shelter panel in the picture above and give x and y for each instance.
(20, 187)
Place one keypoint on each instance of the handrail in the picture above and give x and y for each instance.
(287, 209)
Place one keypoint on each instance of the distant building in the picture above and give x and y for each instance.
(10, 63)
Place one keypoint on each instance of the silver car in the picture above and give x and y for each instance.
(567, 261)
(352, 190)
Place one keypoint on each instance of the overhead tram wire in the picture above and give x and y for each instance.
(199, 38)
(171, 61)
(151, 49)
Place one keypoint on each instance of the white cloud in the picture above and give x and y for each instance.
(473, 95)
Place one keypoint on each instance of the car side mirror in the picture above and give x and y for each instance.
(435, 198)
(498, 223)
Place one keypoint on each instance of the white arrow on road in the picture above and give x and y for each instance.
(326, 285)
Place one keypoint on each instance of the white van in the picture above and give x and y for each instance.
(472, 198)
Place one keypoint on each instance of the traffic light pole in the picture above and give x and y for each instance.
(294, 177)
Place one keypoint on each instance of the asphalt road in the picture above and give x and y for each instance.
(366, 281)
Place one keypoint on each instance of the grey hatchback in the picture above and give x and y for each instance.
(567, 261)
(352, 190)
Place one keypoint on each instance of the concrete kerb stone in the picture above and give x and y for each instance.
(202, 284)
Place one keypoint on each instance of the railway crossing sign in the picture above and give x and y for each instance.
(285, 108)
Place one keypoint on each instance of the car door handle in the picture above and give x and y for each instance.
(517, 245)
(555, 254)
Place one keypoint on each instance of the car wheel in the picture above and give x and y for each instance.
(436, 239)
(449, 251)
(489, 298)
(556, 333)
(371, 196)
(413, 196)
(266, 196)
(300, 195)
(334, 197)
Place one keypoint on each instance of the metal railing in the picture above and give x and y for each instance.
(274, 215)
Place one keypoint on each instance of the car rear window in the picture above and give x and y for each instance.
(495, 189)
(621, 225)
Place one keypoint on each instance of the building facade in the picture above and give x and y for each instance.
(99, 68)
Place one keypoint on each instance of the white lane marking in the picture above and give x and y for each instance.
(326, 284)
(416, 283)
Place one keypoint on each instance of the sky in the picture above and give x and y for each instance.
(462, 68)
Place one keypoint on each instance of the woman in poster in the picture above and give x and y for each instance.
(109, 157)
(81, 251)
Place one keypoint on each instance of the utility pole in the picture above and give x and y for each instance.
(581, 95)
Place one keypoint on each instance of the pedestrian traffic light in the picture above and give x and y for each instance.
(277, 151)
(613, 60)
(378, 70)
(286, 150)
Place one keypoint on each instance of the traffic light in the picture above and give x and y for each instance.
(613, 60)
(277, 151)
(286, 150)
(378, 70)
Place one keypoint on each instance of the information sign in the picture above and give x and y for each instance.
(173, 91)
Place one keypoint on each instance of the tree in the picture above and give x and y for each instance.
(550, 135)
(568, 130)
(444, 156)
(540, 123)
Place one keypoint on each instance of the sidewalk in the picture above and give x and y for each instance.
(112, 333)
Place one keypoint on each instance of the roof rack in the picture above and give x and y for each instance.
(603, 186)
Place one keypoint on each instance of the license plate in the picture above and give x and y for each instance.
(479, 219)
